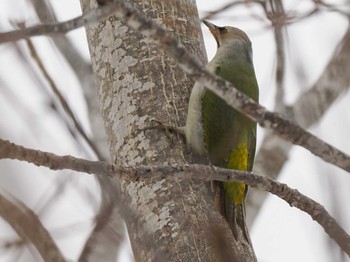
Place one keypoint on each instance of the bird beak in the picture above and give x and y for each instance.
(214, 29)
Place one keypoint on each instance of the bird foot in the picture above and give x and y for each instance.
(168, 129)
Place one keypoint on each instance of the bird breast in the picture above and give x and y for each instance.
(194, 127)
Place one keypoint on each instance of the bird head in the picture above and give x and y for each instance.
(227, 35)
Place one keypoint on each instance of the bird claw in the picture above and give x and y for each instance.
(168, 129)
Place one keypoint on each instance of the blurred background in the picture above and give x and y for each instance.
(37, 75)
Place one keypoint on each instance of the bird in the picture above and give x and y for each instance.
(223, 134)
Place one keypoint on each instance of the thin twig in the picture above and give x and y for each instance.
(275, 12)
(28, 226)
(62, 100)
(331, 7)
(54, 162)
(70, 52)
(91, 17)
(108, 233)
(212, 14)
(307, 110)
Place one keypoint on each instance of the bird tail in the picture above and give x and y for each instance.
(234, 214)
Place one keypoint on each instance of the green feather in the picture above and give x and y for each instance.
(218, 130)
(230, 137)
(224, 127)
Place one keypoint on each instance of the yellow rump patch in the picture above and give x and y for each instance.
(238, 160)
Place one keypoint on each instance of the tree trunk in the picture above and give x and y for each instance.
(137, 82)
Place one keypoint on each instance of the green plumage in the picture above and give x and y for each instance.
(230, 137)
(224, 127)
(221, 132)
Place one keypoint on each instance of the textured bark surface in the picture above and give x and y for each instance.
(137, 83)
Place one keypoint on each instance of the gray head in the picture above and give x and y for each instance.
(228, 35)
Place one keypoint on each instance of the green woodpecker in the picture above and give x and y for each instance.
(225, 135)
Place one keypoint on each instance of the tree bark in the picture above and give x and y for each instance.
(137, 83)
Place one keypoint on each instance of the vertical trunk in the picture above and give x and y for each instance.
(137, 82)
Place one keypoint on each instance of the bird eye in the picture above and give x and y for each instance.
(222, 30)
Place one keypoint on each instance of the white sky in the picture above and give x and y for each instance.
(281, 233)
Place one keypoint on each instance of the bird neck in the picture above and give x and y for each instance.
(234, 63)
(235, 52)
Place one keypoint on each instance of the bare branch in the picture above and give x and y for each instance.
(109, 231)
(105, 240)
(307, 110)
(225, 7)
(59, 28)
(54, 162)
(274, 10)
(281, 126)
(28, 226)
(201, 172)
(62, 100)
(331, 7)
(310, 106)
(83, 70)
(81, 67)
(12, 151)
